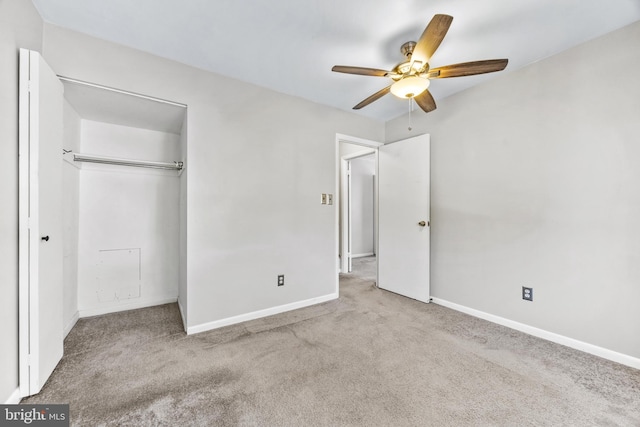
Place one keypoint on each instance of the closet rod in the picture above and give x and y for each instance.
(125, 162)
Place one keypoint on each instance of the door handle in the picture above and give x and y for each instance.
(422, 223)
(45, 238)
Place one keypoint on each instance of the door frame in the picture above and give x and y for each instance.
(370, 146)
(345, 210)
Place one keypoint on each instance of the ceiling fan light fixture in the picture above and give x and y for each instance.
(409, 87)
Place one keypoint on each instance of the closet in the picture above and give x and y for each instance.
(121, 198)
(102, 207)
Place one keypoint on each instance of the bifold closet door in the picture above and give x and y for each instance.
(40, 241)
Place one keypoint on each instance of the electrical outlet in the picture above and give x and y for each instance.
(527, 294)
(280, 279)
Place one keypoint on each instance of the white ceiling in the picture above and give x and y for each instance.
(290, 45)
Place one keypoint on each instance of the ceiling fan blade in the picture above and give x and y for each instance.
(426, 101)
(362, 71)
(470, 68)
(379, 94)
(431, 38)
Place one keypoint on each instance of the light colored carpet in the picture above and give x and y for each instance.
(371, 358)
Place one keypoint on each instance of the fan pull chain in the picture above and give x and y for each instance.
(410, 109)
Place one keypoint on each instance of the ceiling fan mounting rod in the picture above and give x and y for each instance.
(407, 48)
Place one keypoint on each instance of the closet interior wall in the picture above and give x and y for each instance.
(70, 218)
(123, 247)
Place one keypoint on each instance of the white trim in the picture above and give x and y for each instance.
(605, 353)
(358, 154)
(345, 219)
(14, 399)
(259, 314)
(184, 321)
(358, 141)
(362, 255)
(71, 324)
(23, 223)
(124, 306)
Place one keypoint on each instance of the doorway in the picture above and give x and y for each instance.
(359, 156)
(358, 211)
(401, 213)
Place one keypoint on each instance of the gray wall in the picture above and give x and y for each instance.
(257, 162)
(536, 182)
(20, 26)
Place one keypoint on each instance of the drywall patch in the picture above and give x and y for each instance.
(119, 274)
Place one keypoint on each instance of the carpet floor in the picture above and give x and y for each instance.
(369, 358)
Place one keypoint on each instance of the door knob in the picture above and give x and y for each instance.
(422, 223)
(45, 238)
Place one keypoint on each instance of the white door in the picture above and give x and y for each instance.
(40, 228)
(403, 217)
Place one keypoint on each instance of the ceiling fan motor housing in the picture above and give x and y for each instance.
(409, 67)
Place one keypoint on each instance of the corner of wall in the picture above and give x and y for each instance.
(182, 315)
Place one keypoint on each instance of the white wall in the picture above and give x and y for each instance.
(362, 175)
(257, 163)
(536, 182)
(129, 241)
(70, 218)
(20, 26)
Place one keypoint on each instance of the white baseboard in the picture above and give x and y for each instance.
(362, 255)
(605, 353)
(71, 323)
(258, 314)
(14, 399)
(184, 321)
(128, 305)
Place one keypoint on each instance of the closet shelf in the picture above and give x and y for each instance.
(88, 158)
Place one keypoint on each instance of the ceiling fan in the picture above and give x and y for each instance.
(412, 76)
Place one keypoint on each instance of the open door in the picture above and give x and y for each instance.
(40, 221)
(403, 217)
